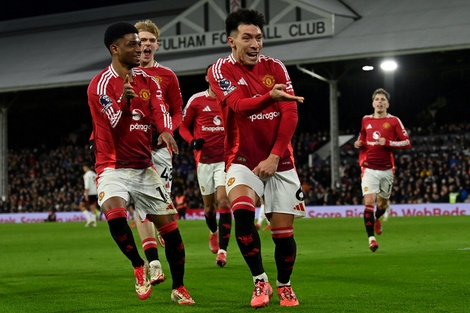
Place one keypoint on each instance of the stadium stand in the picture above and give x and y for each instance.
(435, 170)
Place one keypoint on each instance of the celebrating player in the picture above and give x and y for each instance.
(161, 154)
(207, 140)
(259, 111)
(381, 132)
(124, 101)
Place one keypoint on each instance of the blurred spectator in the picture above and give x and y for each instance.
(436, 167)
(52, 217)
(453, 194)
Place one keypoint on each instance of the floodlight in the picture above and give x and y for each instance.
(389, 65)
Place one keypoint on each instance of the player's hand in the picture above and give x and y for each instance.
(278, 94)
(128, 93)
(167, 138)
(382, 141)
(358, 144)
(268, 167)
(197, 144)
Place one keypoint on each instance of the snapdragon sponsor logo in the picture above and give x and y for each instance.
(212, 129)
(264, 116)
(217, 120)
(137, 126)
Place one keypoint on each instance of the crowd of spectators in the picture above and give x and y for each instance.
(40, 179)
(435, 169)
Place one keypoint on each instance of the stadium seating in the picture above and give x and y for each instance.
(40, 178)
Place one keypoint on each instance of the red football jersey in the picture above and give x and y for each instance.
(255, 125)
(373, 155)
(122, 133)
(202, 112)
(171, 92)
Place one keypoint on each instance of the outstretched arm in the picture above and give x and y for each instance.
(250, 106)
(226, 88)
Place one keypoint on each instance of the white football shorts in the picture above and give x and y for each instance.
(282, 192)
(210, 176)
(377, 182)
(161, 159)
(143, 185)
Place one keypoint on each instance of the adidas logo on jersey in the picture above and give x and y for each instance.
(369, 126)
(206, 109)
(242, 82)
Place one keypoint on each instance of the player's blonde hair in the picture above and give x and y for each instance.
(148, 26)
(376, 92)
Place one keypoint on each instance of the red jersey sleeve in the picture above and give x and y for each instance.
(289, 119)
(104, 103)
(362, 133)
(189, 114)
(403, 141)
(160, 116)
(175, 101)
(288, 109)
(363, 137)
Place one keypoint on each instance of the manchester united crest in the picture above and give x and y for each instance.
(268, 80)
(386, 125)
(230, 181)
(159, 79)
(144, 94)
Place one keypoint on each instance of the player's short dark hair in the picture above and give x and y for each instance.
(244, 16)
(117, 31)
(382, 92)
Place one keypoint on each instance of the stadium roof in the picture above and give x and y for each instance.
(67, 49)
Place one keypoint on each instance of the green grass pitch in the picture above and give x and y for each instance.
(422, 265)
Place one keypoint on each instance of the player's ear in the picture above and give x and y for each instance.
(114, 48)
(231, 41)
